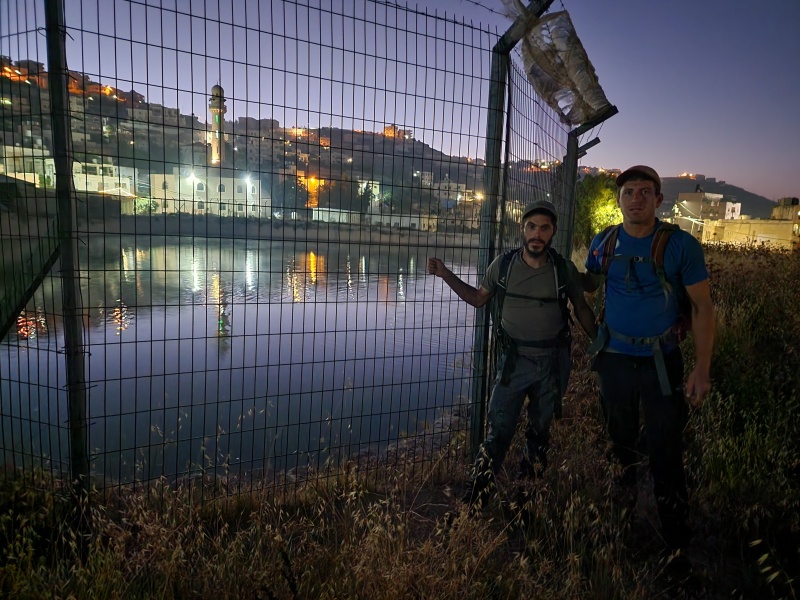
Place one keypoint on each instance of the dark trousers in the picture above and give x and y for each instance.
(538, 379)
(626, 384)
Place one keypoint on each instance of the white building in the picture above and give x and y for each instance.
(418, 222)
(374, 188)
(208, 192)
(733, 210)
(24, 163)
(335, 215)
(449, 191)
(96, 177)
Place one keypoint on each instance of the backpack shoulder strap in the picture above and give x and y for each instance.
(609, 236)
(562, 281)
(502, 286)
(505, 269)
(658, 248)
(608, 245)
(660, 239)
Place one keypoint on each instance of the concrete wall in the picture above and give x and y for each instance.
(781, 234)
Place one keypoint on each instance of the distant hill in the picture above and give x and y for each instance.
(752, 204)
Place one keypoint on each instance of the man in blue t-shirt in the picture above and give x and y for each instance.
(638, 360)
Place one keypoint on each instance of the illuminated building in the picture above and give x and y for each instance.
(217, 108)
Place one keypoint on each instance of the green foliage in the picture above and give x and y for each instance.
(344, 195)
(754, 418)
(595, 207)
(144, 206)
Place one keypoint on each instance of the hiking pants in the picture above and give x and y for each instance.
(535, 377)
(626, 383)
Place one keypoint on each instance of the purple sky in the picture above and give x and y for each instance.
(704, 86)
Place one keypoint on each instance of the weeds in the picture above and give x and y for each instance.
(403, 535)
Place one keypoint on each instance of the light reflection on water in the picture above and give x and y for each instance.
(239, 354)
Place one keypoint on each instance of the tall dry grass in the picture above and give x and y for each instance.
(564, 536)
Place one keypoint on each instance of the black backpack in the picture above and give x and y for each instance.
(507, 346)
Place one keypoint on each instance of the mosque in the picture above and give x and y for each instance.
(205, 182)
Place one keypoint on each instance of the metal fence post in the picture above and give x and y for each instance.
(68, 239)
(501, 60)
(570, 173)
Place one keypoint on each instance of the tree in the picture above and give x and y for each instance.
(595, 207)
(341, 194)
(144, 206)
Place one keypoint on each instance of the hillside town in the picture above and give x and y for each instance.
(154, 159)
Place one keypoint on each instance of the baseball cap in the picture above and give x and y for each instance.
(642, 171)
(543, 206)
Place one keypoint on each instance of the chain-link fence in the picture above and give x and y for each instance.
(256, 190)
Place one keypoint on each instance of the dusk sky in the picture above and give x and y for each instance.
(704, 86)
(707, 86)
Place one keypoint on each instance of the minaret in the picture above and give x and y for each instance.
(217, 108)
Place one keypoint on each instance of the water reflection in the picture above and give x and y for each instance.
(240, 355)
(30, 325)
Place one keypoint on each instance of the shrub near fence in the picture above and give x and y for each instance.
(745, 443)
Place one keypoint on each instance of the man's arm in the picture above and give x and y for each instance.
(699, 382)
(584, 314)
(590, 282)
(477, 297)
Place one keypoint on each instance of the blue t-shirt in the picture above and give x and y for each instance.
(636, 302)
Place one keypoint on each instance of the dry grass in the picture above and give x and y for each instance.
(406, 536)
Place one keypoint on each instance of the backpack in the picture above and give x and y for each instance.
(675, 334)
(508, 346)
(657, 248)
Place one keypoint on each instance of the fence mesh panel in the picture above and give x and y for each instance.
(536, 145)
(32, 398)
(258, 188)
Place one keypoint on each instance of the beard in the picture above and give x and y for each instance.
(535, 252)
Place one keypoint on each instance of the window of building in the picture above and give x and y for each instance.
(253, 190)
(201, 205)
(253, 207)
(238, 189)
(223, 206)
(201, 187)
(165, 204)
(240, 207)
(221, 187)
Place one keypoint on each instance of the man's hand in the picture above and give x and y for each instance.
(697, 386)
(477, 297)
(436, 267)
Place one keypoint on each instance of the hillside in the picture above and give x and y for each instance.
(752, 204)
